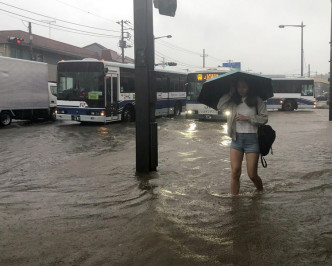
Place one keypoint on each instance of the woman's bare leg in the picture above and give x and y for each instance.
(252, 166)
(236, 165)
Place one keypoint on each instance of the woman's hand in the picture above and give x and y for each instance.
(241, 117)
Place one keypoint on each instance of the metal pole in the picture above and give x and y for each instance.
(330, 108)
(302, 49)
(203, 58)
(146, 126)
(122, 41)
(30, 42)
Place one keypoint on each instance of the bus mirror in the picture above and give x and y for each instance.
(105, 70)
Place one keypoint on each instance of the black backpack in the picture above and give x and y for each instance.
(266, 136)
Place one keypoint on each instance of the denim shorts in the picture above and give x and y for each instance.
(246, 143)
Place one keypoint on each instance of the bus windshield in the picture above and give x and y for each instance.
(195, 83)
(85, 83)
(194, 89)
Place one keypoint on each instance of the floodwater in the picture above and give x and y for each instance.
(69, 196)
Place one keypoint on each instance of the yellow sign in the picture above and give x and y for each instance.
(205, 77)
(93, 95)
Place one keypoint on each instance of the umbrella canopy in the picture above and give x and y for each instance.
(215, 88)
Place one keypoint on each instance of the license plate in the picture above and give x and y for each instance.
(208, 112)
(75, 118)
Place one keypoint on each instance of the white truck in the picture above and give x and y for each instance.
(24, 91)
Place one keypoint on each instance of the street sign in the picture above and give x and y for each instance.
(236, 65)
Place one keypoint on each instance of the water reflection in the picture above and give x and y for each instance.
(103, 131)
(192, 127)
(225, 129)
(225, 141)
(254, 237)
(190, 131)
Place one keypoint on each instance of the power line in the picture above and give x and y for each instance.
(85, 11)
(175, 60)
(85, 34)
(184, 50)
(58, 19)
(162, 42)
(95, 34)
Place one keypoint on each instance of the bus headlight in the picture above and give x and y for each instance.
(189, 112)
(281, 101)
(102, 113)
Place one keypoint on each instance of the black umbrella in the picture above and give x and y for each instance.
(215, 88)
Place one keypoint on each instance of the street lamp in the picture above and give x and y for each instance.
(155, 38)
(301, 26)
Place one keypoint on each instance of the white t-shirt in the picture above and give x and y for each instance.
(245, 126)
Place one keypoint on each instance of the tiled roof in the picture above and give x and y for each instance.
(48, 44)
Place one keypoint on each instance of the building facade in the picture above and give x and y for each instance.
(50, 51)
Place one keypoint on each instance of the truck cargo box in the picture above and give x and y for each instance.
(23, 84)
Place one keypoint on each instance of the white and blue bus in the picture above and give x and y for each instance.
(90, 90)
(195, 80)
(292, 93)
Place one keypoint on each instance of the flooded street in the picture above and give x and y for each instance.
(69, 196)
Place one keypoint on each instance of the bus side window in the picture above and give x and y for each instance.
(127, 81)
(115, 89)
(307, 90)
(161, 82)
(168, 86)
(108, 89)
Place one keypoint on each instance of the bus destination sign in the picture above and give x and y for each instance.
(205, 77)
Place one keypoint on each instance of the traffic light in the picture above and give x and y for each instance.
(166, 7)
(15, 40)
(170, 64)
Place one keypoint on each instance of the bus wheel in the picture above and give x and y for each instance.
(128, 114)
(288, 106)
(177, 109)
(5, 119)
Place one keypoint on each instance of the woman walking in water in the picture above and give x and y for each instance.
(248, 111)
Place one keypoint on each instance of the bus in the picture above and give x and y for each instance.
(90, 90)
(292, 93)
(195, 81)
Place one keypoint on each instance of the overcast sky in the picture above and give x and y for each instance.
(243, 31)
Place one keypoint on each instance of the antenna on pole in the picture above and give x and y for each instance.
(204, 55)
(49, 22)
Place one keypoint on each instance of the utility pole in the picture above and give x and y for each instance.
(204, 55)
(330, 104)
(122, 42)
(163, 62)
(302, 52)
(146, 125)
(49, 22)
(309, 71)
(30, 42)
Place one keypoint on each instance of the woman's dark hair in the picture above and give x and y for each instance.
(251, 99)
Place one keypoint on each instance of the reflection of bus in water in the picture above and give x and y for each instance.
(194, 109)
(292, 93)
(98, 91)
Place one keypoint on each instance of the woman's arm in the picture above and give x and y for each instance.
(261, 117)
(224, 102)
